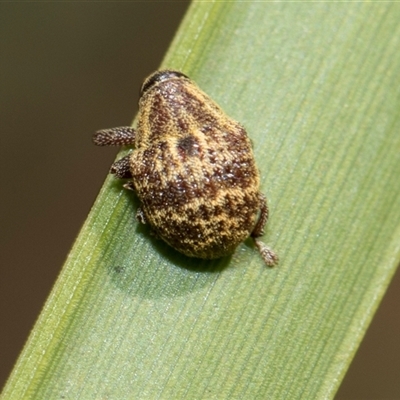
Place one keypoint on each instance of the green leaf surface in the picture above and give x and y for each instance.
(317, 87)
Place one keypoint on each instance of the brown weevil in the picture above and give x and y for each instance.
(193, 170)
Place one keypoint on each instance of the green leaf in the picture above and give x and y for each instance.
(316, 86)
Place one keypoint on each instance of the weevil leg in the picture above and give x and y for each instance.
(121, 136)
(121, 168)
(268, 255)
(140, 216)
(130, 186)
(262, 219)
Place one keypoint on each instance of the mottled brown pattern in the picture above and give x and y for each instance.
(193, 170)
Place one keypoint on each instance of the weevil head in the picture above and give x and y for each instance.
(160, 76)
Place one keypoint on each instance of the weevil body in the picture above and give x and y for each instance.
(193, 170)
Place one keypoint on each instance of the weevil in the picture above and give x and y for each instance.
(193, 170)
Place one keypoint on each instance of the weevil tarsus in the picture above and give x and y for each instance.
(129, 186)
(140, 216)
(267, 254)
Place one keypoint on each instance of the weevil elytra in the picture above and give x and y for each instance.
(193, 170)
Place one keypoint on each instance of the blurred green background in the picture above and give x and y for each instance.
(66, 70)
